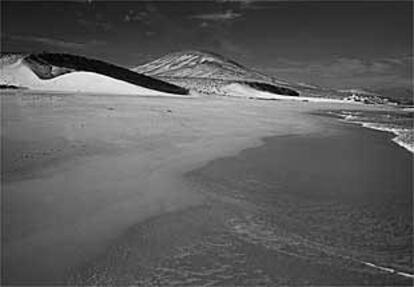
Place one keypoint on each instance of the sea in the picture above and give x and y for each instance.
(400, 123)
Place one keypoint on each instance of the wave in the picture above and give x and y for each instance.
(256, 232)
(387, 269)
(404, 136)
(398, 124)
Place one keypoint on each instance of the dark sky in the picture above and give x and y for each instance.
(335, 44)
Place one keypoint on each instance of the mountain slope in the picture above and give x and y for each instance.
(64, 72)
(210, 73)
(198, 64)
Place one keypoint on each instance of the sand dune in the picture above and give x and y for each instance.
(21, 75)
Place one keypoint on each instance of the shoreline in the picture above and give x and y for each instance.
(100, 170)
(256, 234)
(396, 132)
(233, 215)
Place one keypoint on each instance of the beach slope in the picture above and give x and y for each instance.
(82, 175)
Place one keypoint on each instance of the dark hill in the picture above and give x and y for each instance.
(208, 72)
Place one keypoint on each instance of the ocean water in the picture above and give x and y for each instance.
(301, 210)
(400, 123)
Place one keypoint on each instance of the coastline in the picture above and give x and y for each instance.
(397, 134)
(403, 132)
(98, 165)
(234, 223)
(344, 192)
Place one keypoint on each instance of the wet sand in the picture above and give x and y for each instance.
(93, 193)
(346, 195)
(299, 210)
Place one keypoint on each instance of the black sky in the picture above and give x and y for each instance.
(335, 44)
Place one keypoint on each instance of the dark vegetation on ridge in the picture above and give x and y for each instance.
(50, 65)
(10, 87)
(272, 88)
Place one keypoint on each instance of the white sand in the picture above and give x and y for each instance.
(19, 74)
(81, 169)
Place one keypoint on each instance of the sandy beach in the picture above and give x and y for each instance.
(206, 143)
(92, 179)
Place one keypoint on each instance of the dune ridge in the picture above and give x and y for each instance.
(68, 73)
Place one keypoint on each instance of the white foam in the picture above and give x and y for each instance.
(407, 146)
(257, 234)
(401, 133)
(387, 269)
